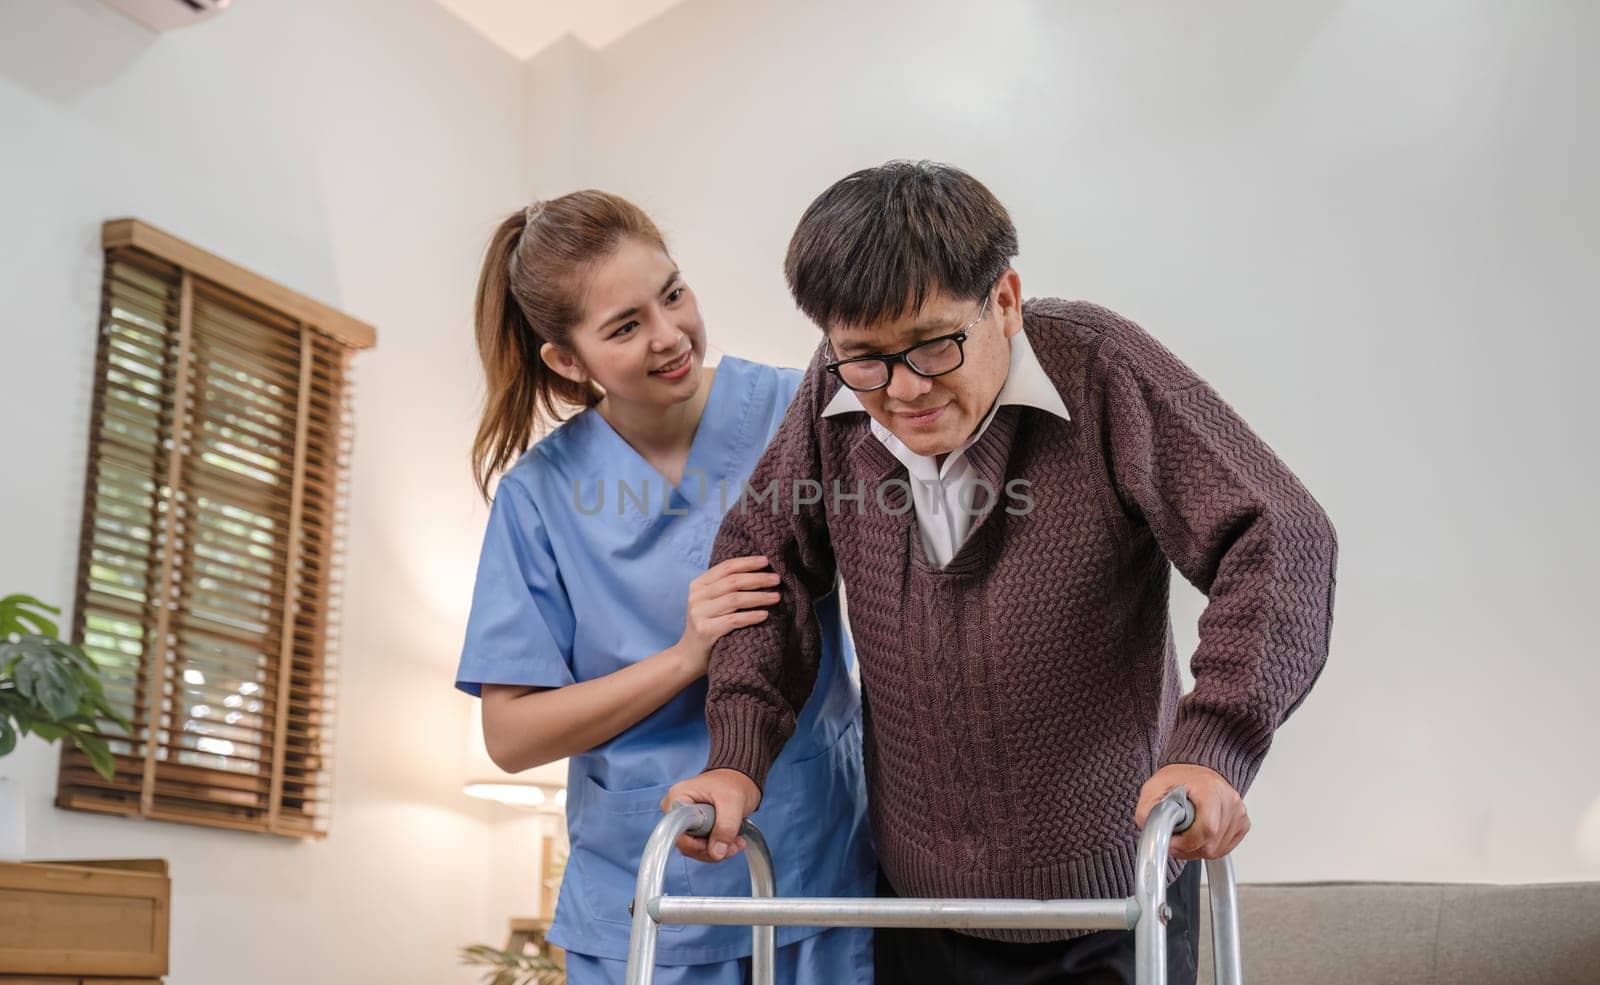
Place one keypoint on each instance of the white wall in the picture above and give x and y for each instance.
(359, 152)
(1367, 223)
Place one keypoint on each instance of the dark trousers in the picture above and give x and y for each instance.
(944, 957)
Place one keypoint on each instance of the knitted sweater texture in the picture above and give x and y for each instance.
(1017, 698)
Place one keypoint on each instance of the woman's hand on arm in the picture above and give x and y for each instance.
(729, 596)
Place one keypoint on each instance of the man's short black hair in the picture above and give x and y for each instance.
(877, 244)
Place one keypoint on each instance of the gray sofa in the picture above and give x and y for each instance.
(1377, 933)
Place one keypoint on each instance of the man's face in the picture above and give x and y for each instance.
(935, 416)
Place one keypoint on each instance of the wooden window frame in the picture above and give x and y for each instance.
(253, 314)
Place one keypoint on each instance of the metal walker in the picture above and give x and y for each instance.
(1145, 912)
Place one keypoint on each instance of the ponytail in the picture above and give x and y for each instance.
(527, 296)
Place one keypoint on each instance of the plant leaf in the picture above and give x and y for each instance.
(39, 624)
(10, 653)
(15, 616)
(104, 709)
(8, 615)
(47, 731)
(47, 679)
(17, 600)
(50, 687)
(74, 654)
(512, 967)
(89, 673)
(98, 752)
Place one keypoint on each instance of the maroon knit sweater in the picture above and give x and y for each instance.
(1017, 698)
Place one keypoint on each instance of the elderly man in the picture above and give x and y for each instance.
(1004, 488)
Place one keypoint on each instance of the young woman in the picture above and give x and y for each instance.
(593, 614)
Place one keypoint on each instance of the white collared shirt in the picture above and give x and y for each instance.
(945, 497)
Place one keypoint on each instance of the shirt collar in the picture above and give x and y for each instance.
(1027, 384)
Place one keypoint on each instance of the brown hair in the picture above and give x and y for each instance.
(529, 294)
(877, 243)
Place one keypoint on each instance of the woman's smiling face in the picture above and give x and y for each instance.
(640, 335)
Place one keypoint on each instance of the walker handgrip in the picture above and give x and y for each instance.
(1187, 820)
(705, 819)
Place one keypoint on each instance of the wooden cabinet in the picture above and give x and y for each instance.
(84, 922)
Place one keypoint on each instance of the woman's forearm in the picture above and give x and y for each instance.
(525, 727)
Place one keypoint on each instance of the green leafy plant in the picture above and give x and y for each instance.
(49, 687)
(512, 967)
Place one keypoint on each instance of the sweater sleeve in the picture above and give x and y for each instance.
(760, 676)
(1240, 527)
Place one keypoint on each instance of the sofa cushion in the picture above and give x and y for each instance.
(1374, 933)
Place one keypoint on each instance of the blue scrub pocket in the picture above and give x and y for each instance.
(607, 842)
(814, 817)
(825, 845)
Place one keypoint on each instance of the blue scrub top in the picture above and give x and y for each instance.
(585, 569)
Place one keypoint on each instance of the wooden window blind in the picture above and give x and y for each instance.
(210, 553)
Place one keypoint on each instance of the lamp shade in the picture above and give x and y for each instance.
(543, 788)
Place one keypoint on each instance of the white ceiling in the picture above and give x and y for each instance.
(525, 27)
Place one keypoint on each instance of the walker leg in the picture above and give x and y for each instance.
(699, 819)
(652, 879)
(1224, 921)
(1173, 813)
(1150, 943)
(764, 947)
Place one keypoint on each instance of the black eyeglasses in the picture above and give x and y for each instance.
(935, 357)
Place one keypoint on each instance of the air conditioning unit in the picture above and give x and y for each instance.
(164, 15)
